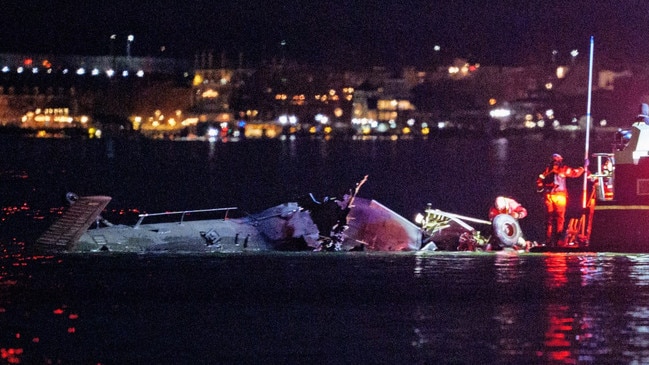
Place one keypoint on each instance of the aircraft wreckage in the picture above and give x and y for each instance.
(349, 224)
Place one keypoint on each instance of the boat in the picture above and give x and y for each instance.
(619, 205)
(367, 225)
(616, 209)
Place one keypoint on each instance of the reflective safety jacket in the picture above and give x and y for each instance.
(504, 205)
(553, 178)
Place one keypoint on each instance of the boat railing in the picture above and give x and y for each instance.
(604, 175)
(182, 214)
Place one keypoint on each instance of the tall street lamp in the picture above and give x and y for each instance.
(112, 44)
(129, 40)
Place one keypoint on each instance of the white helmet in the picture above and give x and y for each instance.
(501, 203)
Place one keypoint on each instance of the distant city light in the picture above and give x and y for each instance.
(19, 70)
(140, 73)
(5, 69)
(81, 71)
(125, 73)
(500, 113)
(287, 119)
(210, 94)
(323, 119)
(95, 72)
(212, 133)
(35, 70)
(437, 48)
(110, 72)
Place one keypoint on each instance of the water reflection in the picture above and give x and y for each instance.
(548, 308)
(33, 326)
(483, 308)
(555, 268)
(508, 268)
(639, 272)
(212, 150)
(500, 154)
(638, 332)
(592, 269)
(560, 334)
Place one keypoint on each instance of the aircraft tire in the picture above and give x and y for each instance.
(507, 229)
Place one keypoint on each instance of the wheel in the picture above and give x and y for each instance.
(507, 229)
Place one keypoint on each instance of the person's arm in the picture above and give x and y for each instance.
(520, 212)
(574, 172)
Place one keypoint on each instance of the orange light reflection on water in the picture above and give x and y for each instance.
(558, 342)
(568, 329)
(11, 355)
(556, 268)
(560, 334)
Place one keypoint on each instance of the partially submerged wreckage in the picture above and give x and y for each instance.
(446, 231)
(289, 226)
(348, 224)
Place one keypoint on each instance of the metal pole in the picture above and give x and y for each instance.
(588, 122)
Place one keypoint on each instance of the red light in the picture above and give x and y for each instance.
(11, 355)
(28, 61)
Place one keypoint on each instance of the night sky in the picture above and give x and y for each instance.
(381, 32)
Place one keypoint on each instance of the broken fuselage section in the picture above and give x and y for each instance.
(289, 226)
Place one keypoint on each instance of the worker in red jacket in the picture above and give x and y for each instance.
(504, 205)
(552, 182)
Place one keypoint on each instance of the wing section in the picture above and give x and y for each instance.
(67, 230)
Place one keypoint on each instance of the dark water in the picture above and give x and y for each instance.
(306, 308)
